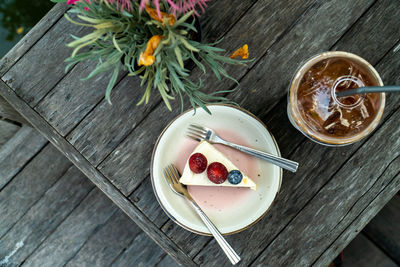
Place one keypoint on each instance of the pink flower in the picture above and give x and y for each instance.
(177, 6)
(73, 2)
(122, 4)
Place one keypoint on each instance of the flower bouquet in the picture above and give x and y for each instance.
(153, 40)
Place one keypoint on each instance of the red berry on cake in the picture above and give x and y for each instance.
(197, 163)
(217, 173)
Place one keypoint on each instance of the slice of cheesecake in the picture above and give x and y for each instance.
(213, 155)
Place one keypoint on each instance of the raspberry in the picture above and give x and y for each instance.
(217, 173)
(197, 163)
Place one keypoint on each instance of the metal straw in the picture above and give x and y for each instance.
(369, 89)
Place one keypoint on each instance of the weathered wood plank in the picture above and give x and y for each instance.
(7, 131)
(377, 31)
(167, 261)
(31, 37)
(25, 189)
(44, 217)
(94, 175)
(360, 221)
(340, 201)
(107, 242)
(362, 252)
(145, 200)
(183, 237)
(72, 99)
(384, 229)
(124, 166)
(32, 80)
(103, 129)
(93, 139)
(18, 151)
(71, 234)
(145, 254)
(8, 112)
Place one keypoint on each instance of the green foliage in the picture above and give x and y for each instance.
(119, 37)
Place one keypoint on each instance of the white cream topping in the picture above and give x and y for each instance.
(212, 155)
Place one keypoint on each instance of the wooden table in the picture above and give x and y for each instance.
(319, 210)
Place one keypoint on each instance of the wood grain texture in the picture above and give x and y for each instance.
(44, 216)
(29, 77)
(72, 99)
(183, 237)
(384, 229)
(360, 221)
(31, 37)
(94, 140)
(7, 131)
(108, 241)
(7, 112)
(362, 252)
(25, 189)
(104, 128)
(71, 234)
(359, 182)
(140, 253)
(94, 175)
(124, 166)
(376, 30)
(167, 261)
(18, 151)
(146, 201)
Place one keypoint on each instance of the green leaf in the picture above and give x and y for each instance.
(179, 56)
(116, 44)
(111, 84)
(187, 45)
(164, 96)
(198, 63)
(58, 1)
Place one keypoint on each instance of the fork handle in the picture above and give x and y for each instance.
(230, 253)
(281, 162)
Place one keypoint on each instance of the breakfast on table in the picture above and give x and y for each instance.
(313, 108)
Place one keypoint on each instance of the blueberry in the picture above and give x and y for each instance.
(235, 177)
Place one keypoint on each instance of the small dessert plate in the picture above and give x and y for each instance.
(230, 209)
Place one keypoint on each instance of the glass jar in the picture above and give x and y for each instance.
(314, 109)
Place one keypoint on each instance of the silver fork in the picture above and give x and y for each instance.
(199, 133)
(171, 174)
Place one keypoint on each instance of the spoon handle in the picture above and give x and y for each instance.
(370, 89)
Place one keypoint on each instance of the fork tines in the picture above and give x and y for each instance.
(196, 132)
(171, 174)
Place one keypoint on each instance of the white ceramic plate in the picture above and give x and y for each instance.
(249, 206)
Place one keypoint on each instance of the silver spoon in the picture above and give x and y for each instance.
(369, 89)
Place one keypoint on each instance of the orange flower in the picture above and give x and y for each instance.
(147, 58)
(153, 14)
(242, 52)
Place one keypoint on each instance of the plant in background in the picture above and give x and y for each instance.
(153, 45)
